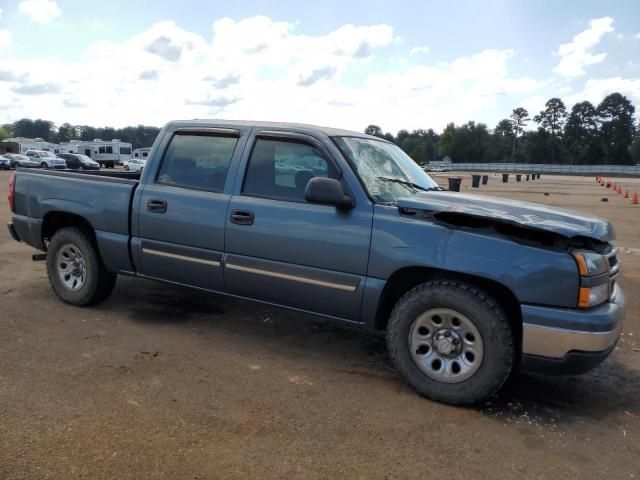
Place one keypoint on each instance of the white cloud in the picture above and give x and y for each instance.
(6, 42)
(596, 89)
(637, 36)
(258, 68)
(419, 50)
(0, 14)
(41, 11)
(576, 54)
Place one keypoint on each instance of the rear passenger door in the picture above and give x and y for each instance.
(182, 207)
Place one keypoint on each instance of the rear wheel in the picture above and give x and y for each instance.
(75, 269)
(44, 165)
(451, 341)
(126, 168)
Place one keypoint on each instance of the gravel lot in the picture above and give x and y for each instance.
(164, 382)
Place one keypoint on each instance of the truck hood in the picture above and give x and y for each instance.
(567, 223)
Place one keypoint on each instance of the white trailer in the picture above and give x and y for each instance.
(21, 145)
(141, 153)
(106, 153)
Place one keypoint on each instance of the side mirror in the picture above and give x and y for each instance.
(327, 191)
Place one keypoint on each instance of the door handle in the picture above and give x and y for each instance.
(242, 217)
(157, 206)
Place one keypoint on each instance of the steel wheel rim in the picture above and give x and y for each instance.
(446, 345)
(71, 267)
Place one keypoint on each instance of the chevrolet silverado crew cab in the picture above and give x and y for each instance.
(341, 224)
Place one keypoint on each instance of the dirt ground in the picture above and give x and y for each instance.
(164, 382)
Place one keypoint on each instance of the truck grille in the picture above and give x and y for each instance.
(612, 256)
(611, 253)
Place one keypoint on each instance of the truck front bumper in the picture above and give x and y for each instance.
(570, 341)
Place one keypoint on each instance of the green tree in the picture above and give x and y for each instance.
(501, 141)
(446, 140)
(374, 130)
(634, 151)
(419, 154)
(23, 128)
(402, 136)
(580, 138)
(471, 143)
(519, 118)
(4, 133)
(552, 120)
(616, 127)
(504, 128)
(44, 129)
(67, 132)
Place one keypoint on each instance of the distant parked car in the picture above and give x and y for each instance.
(134, 165)
(79, 162)
(47, 159)
(5, 163)
(21, 161)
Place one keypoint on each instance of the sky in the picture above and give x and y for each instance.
(346, 64)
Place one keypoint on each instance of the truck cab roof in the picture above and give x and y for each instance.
(294, 127)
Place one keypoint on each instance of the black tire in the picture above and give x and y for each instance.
(485, 314)
(44, 165)
(126, 168)
(98, 284)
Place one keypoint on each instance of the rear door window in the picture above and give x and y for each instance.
(197, 160)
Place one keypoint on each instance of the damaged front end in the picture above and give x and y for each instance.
(586, 239)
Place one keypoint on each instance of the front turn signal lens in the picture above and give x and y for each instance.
(592, 296)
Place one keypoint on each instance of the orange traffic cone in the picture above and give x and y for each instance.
(635, 198)
(626, 194)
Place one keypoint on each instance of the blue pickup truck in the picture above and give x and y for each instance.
(341, 224)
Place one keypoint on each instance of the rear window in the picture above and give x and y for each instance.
(198, 161)
(125, 150)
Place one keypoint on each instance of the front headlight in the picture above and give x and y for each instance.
(590, 264)
(594, 278)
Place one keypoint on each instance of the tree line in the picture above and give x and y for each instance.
(139, 136)
(587, 135)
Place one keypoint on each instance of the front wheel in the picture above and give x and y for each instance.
(126, 168)
(75, 269)
(44, 165)
(451, 341)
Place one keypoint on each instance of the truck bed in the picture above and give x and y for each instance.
(102, 199)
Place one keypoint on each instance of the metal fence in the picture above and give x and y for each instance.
(549, 168)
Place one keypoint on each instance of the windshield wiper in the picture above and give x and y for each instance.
(407, 183)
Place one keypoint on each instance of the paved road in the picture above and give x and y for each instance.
(164, 382)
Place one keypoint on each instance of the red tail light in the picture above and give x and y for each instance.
(12, 193)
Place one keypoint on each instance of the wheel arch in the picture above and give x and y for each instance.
(55, 220)
(404, 279)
